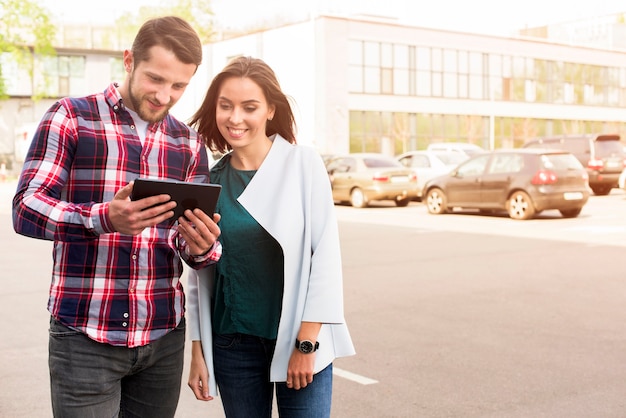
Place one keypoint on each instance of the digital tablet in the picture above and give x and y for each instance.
(187, 195)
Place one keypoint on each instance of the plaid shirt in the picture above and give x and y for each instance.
(118, 289)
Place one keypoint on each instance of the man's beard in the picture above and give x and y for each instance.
(143, 113)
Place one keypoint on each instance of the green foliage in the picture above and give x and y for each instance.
(197, 12)
(24, 24)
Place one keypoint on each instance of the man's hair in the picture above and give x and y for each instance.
(173, 34)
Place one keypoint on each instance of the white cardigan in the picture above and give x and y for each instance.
(289, 196)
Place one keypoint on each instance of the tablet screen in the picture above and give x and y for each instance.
(187, 195)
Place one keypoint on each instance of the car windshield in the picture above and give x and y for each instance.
(561, 162)
(378, 162)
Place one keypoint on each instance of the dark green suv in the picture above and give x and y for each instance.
(602, 155)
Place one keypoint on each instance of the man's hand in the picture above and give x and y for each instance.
(199, 231)
(131, 217)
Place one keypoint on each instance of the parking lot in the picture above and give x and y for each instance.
(456, 315)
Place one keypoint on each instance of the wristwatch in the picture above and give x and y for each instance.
(306, 346)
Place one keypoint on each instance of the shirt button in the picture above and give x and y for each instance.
(124, 324)
(134, 257)
(131, 290)
(132, 126)
(125, 314)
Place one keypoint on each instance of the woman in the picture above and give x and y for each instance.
(270, 313)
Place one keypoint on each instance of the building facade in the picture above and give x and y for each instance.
(367, 85)
(375, 85)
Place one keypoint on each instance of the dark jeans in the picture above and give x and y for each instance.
(90, 379)
(242, 365)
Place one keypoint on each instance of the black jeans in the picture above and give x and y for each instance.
(90, 379)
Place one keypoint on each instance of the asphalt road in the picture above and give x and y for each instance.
(452, 316)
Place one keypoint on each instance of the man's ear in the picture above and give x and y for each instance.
(128, 61)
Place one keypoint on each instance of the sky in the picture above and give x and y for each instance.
(492, 17)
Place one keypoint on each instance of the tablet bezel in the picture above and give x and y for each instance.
(186, 194)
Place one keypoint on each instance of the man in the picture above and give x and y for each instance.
(117, 331)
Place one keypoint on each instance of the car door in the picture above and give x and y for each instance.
(465, 183)
(498, 177)
(340, 172)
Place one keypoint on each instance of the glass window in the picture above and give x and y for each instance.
(450, 64)
(117, 69)
(372, 54)
(474, 167)
(386, 52)
(400, 81)
(355, 52)
(437, 59)
(372, 80)
(506, 163)
(423, 59)
(400, 56)
(387, 81)
(424, 83)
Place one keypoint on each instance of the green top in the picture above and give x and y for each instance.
(249, 275)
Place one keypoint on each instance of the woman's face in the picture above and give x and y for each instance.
(242, 112)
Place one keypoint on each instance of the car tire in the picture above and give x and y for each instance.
(402, 202)
(357, 198)
(520, 206)
(436, 201)
(571, 213)
(601, 190)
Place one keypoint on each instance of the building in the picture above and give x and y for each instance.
(371, 84)
(375, 85)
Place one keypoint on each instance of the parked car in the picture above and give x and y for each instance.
(429, 164)
(464, 148)
(523, 182)
(360, 178)
(602, 155)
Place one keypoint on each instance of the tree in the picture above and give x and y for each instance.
(25, 28)
(197, 12)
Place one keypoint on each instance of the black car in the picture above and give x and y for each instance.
(602, 155)
(523, 182)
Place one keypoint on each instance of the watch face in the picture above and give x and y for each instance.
(306, 346)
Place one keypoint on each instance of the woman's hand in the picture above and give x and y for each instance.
(198, 373)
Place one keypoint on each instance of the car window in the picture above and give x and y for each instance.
(420, 161)
(473, 167)
(451, 158)
(560, 162)
(506, 163)
(341, 165)
(375, 162)
(406, 161)
(608, 148)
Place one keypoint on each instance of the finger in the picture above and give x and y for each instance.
(124, 192)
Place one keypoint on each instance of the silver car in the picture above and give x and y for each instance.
(360, 178)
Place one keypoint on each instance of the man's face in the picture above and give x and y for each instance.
(155, 85)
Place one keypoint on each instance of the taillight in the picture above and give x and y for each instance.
(413, 177)
(595, 164)
(543, 177)
(380, 177)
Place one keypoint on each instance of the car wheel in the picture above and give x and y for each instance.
(571, 213)
(436, 202)
(520, 206)
(357, 198)
(403, 202)
(601, 190)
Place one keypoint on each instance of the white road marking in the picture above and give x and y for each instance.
(353, 376)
